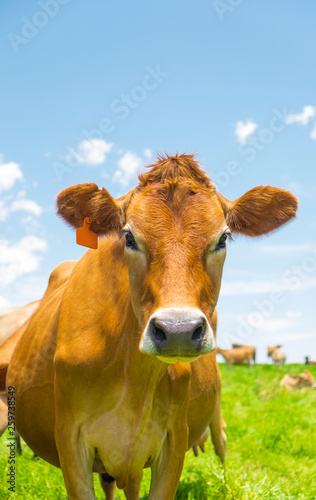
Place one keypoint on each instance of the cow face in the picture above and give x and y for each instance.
(175, 248)
(174, 226)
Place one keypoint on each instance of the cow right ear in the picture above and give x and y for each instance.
(76, 203)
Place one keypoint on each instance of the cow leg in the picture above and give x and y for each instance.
(166, 472)
(133, 488)
(75, 456)
(76, 463)
(218, 435)
(108, 485)
(18, 442)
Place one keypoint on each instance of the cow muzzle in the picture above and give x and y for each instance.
(177, 334)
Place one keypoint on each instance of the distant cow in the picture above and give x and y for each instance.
(239, 356)
(10, 332)
(277, 354)
(12, 318)
(116, 371)
(309, 361)
(303, 380)
(251, 348)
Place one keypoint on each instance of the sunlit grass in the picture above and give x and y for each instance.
(271, 449)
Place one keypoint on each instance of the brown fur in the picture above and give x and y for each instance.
(87, 397)
(251, 348)
(239, 356)
(302, 381)
(277, 354)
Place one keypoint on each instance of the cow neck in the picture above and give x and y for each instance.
(145, 369)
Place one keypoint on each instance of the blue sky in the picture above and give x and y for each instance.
(90, 91)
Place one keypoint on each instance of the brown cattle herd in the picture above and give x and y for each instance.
(115, 368)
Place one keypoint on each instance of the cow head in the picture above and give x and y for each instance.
(271, 349)
(174, 226)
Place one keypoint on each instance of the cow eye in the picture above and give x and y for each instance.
(221, 244)
(130, 240)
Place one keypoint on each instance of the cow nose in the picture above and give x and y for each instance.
(191, 331)
(177, 333)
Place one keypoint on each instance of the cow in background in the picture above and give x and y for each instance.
(309, 361)
(239, 356)
(11, 321)
(277, 354)
(304, 380)
(12, 318)
(251, 348)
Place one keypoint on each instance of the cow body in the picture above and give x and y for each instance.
(308, 361)
(250, 348)
(116, 371)
(277, 354)
(236, 356)
(11, 330)
(304, 380)
(116, 416)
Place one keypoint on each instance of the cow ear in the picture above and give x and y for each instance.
(261, 210)
(87, 200)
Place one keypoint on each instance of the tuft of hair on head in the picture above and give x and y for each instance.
(174, 168)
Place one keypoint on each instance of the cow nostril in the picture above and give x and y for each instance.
(198, 335)
(160, 335)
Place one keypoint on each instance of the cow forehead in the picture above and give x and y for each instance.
(180, 210)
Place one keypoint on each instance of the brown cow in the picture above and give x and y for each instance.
(304, 380)
(277, 354)
(309, 361)
(251, 348)
(115, 371)
(10, 332)
(12, 318)
(240, 356)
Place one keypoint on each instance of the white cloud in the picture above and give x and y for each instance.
(128, 166)
(21, 205)
(90, 152)
(9, 174)
(313, 132)
(26, 206)
(4, 304)
(302, 118)
(19, 259)
(244, 129)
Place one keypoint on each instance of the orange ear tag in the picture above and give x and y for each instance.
(86, 237)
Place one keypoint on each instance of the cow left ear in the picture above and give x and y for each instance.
(87, 200)
(261, 210)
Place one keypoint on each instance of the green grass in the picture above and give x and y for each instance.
(271, 448)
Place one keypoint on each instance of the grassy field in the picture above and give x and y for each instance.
(271, 448)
